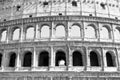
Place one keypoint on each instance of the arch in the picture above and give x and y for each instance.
(110, 58)
(117, 33)
(77, 59)
(94, 59)
(105, 33)
(90, 31)
(27, 60)
(60, 31)
(60, 56)
(12, 59)
(75, 31)
(43, 59)
(45, 31)
(16, 34)
(30, 33)
(1, 59)
(3, 35)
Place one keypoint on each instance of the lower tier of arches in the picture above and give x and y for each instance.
(59, 56)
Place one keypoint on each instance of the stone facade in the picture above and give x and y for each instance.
(67, 44)
(59, 40)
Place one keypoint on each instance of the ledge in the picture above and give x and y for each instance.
(58, 18)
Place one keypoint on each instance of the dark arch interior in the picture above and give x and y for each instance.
(12, 59)
(60, 55)
(77, 59)
(0, 59)
(94, 59)
(27, 59)
(43, 59)
(109, 58)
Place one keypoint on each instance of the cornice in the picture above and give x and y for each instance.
(60, 43)
(58, 18)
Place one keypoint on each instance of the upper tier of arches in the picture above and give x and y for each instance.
(70, 31)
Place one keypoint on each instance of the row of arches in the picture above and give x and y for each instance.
(60, 31)
(78, 59)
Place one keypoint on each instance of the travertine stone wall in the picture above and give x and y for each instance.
(68, 44)
(16, 9)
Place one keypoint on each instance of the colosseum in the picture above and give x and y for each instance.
(59, 39)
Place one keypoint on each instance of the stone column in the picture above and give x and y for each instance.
(37, 32)
(50, 30)
(98, 32)
(87, 58)
(53, 30)
(112, 33)
(8, 35)
(34, 31)
(52, 58)
(102, 59)
(34, 65)
(118, 59)
(70, 57)
(3, 64)
(68, 63)
(22, 34)
(82, 31)
(66, 29)
(18, 64)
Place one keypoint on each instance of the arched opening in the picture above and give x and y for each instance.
(117, 33)
(60, 31)
(12, 59)
(75, 31)
(105, 33)
(60, 58)
(4, 35)
(16, 34)
(43, 59)
(30, 33)
(27, 61)
(45, 31)
(110, 59)
(94, 59)
(1, 59)
(90, 32)
(77, 59)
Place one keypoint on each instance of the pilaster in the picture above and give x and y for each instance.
(82, 31)
(70, 57)
(112, 33)
(102, 59)
(53, 30)
(3, 64)
(87, 58)
(98, 32)
(52, 57)
(37, 32)
(8, 35)
(18, 62)
(22, 34)
(34, 65)
(118, 58)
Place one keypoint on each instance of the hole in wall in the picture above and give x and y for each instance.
(60, 14)
(74, 3)
(102, 5)
(90, 14)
